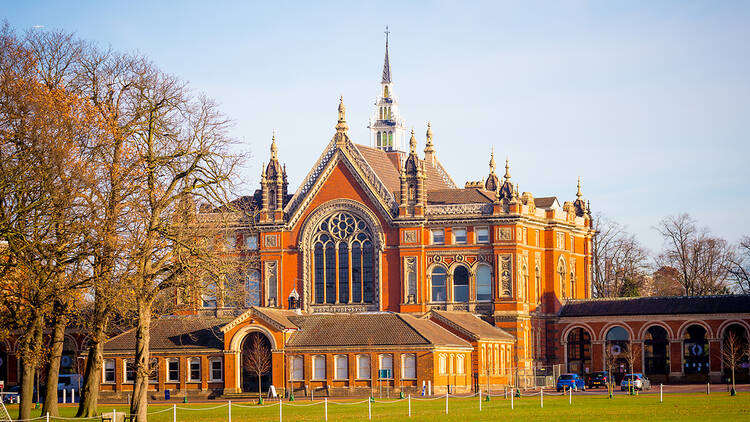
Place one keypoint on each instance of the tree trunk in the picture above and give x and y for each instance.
(29, 363)
(139, 406)
(87, 407)
(53, 370)
(260, 389)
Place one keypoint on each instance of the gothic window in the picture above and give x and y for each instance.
(379, 134)
(412, 194)
(484, 283)
(343, 259)
(271, 199)
(390, 134)
(461, 284)
(439, 278)
(385, 92)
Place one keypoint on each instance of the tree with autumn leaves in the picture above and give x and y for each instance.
(103, 158)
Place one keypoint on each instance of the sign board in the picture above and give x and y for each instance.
(384, 374)
(272, 392)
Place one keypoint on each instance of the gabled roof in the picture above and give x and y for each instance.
(279, 318)
(171, 333)
(546, 202)
(470, 325)
(369, 329)
(661, 305)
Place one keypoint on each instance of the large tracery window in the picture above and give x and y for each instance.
(343, 260)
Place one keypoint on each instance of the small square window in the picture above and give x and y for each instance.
(251, 241)
(438, 237)
(483, 235)
(459, 235)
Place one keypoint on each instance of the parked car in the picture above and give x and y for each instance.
(599, 379)
(639, 382)
(572, 381)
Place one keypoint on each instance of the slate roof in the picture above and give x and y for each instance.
(471, 325)
(282, 317)
(170, 333)
(545, 202)
(369, 329)
(459, 196)
(386, 166)
(661, 305)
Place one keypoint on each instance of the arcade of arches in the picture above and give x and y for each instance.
(667, 351)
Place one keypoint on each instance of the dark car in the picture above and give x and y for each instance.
(599, 379)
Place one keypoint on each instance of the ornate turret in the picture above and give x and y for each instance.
(412, 177)
(273, 184)
(506, 190)
(387, 129)
(492, 182)
(342, 129)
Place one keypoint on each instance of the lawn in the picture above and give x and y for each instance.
(682, 407)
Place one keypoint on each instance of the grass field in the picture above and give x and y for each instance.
(645, 407)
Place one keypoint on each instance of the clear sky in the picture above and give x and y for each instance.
(648, 102)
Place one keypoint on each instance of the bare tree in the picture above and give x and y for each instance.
(701, 259)
(258, 361)
(632, 354)
(619, 260)
(732, 353)
(665, 282)
(739, 267)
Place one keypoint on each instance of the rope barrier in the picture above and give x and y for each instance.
(304, 405)
(254, 406)
(350, 404)
(389, 402)
(203, 408)
(168, 409)
(77, 419)
(427, 399)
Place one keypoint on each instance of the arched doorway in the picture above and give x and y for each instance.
(579, 350)
(656, 351)
(618, 344)
(256, 356)
(740, 338)
(695, 350)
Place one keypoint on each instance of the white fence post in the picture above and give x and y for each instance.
(279, 410)
(114, 415)
(511, 399)
(64, 395)
(446, 402)
(661, 393)
(229, 404)
(480, 399)
(174, 412)
(369, 408)
(409, 405)
(47, 416)
(326, 407)
(541, 397)
(708, 388)
(570, 396)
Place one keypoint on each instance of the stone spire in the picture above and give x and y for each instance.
(506, 177)
(274, 148)
(429, 149)
(579, 195)
(492, 181)
(341, 126)
(579, 204)
(386, 64)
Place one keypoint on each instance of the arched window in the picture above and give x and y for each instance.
(572, 285)
(461, 284)
(390, 137)
(271, 199)
(656, 351)
(695, 350)
(385, 91)
(618, 343)
(561, 273)
(379, 142)
(438, 279)
(484, 283)
(579, 350)
(343, 258)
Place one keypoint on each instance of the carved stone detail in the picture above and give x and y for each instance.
(410, 236)
(271, 241)
(506, 274)
(454, 209)
(505, 233)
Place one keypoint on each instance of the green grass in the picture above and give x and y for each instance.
(645, 407)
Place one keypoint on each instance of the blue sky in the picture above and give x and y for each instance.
(649, 102)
